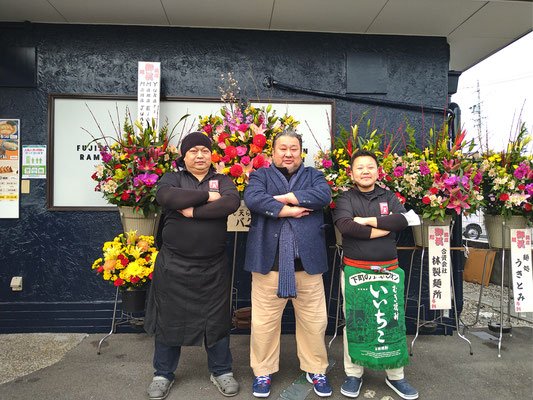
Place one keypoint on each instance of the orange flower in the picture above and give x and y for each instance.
(109, 265)
(143, 245)
(255, 149)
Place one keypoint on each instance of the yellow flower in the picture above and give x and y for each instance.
(240, 188)
(240, 179)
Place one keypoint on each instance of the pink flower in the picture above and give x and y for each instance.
(225, 159)
(245, 160)
(242, 127)
(146, 178)
(477, 178)
(326, 163)
(145, 165)
(424, 169)
(521, 171)
(398, 171)
(241, 150)
(458, 202)
(219, 129)
(208, 128)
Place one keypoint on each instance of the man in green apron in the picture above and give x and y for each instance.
(372, 283)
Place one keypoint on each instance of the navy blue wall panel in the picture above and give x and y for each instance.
(53, 251)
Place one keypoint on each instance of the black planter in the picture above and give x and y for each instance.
(133, 300)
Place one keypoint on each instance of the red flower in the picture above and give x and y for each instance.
(255, 149)
(124, 261)
(135, 279)
(222, 137)
(118, 282)
(230, 151)
(236, 170)
(426, 200)
(225, 159)
(93, 176)
(332, 205)
(433, 190)
(158, 171)
(215, 157)
(527, 206)
(258, 161)
(330, 183)
(150, 276)
(117, 166)
(388, 178)
(504, 197)
(521, 187)
(100, 269)
(242, 127)
(400, 197)
(125, 196)
(208, 129)
(259, 140)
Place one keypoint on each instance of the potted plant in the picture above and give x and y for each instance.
(132, 163)
(437, 181)
(508, 188)
(127, 263)
(242, 135)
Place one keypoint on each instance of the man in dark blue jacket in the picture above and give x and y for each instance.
(286, 254)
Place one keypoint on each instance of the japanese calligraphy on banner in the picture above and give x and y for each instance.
(439, 268)
(521, 268)
(148, 93)
(9, 167)
(240, 220)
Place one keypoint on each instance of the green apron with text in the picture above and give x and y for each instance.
(375, 319)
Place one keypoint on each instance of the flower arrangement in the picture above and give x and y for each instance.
(242, 136)
(335, 162)
(508, 179)
(132, 165)
(128, 261)
(435, 180)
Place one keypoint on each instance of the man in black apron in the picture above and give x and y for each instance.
(190, 292)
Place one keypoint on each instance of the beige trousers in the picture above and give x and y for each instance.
(311, 321)
(352, 369)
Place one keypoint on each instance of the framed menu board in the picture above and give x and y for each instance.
(9, 168)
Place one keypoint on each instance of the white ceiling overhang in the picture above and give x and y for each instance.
(475, 29)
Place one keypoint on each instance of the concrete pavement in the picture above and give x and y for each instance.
(441, 368)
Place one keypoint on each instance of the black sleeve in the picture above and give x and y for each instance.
(228, 203)
(348, 227)
(392, 222)
(170, 196)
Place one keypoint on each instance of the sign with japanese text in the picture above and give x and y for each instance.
(148, 93)
(9, 168)
(34, 162)
(240, 220)
(439, 267)
(521, 270)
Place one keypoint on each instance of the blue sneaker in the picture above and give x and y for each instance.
(261, 386)
(402, 388)
(320, 384)
(351, 386)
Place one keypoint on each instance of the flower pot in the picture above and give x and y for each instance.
(145, 226)
(494, 226)
(133, 300)
(421, 239)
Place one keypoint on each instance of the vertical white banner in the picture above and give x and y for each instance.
(521, 269)
(440, 296)
(148, 93)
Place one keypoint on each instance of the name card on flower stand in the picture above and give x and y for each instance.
(521, 269)
(439, 267)
(240, 220)
(148, 93)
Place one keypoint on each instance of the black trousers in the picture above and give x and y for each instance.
(166, 358)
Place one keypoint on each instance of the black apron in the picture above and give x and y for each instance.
(189, 300)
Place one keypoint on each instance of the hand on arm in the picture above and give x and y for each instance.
(187, 212)
(288, 198)
(294, 212)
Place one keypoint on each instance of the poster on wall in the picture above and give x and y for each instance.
(9, 168)
(77, 119)
(148, 93)
(33, 162)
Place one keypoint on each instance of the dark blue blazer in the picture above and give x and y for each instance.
(312, 191)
